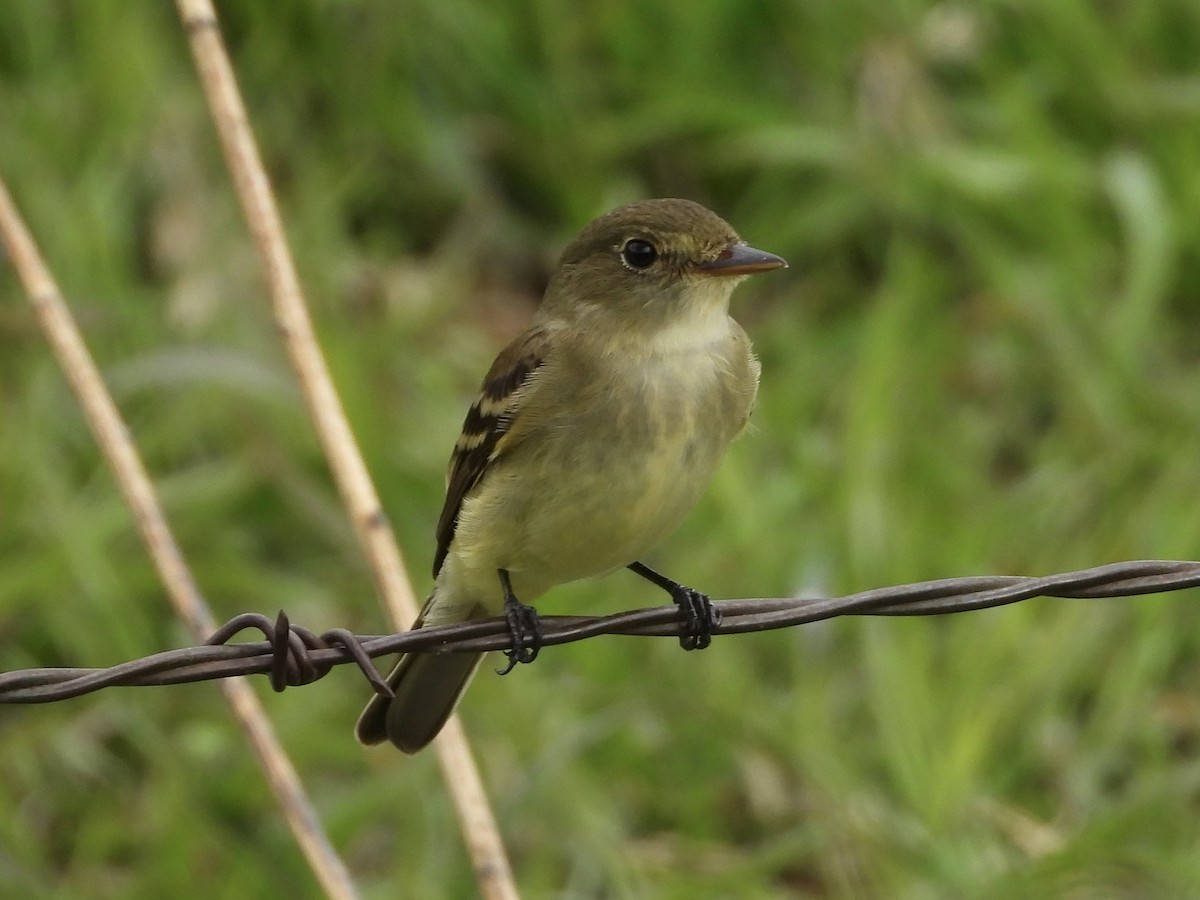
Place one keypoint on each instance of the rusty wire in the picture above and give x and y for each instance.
(293, 655)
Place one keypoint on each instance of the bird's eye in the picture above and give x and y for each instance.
(639, 254)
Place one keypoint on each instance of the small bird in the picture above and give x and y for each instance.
(594, 433)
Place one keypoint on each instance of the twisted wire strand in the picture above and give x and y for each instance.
(292, 655)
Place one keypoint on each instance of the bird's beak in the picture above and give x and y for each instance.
(741, 259)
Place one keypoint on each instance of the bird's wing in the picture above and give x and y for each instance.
(489, 420)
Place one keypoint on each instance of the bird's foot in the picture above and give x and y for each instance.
(524, 628)
(699, 613)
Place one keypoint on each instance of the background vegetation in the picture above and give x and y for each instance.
(983, 359)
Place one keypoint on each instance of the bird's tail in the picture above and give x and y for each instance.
(426, 687)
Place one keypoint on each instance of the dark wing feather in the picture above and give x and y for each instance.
(489, 419)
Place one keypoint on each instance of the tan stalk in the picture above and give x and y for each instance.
(114, 439)
(350, 472)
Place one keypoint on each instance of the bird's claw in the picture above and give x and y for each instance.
(525, 632)
(699, 614)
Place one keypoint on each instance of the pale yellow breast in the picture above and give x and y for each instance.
(603, 473)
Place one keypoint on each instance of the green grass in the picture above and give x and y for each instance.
(983, 359)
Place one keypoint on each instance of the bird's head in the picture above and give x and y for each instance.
(651, 265)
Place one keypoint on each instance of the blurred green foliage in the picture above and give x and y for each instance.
(983, 359)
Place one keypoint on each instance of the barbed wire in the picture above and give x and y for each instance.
(293, 655)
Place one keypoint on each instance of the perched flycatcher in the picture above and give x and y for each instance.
(594, 433)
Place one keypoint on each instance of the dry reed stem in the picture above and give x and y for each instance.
(354, 483)
(115, 442)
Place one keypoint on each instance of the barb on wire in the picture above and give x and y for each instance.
(292, 655)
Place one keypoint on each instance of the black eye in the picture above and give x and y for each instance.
(639, 254)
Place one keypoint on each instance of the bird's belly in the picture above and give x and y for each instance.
(596, 506)
(593, 490)
(621, 510)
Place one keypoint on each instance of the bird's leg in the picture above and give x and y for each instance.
(524, 629)
(697, 609)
